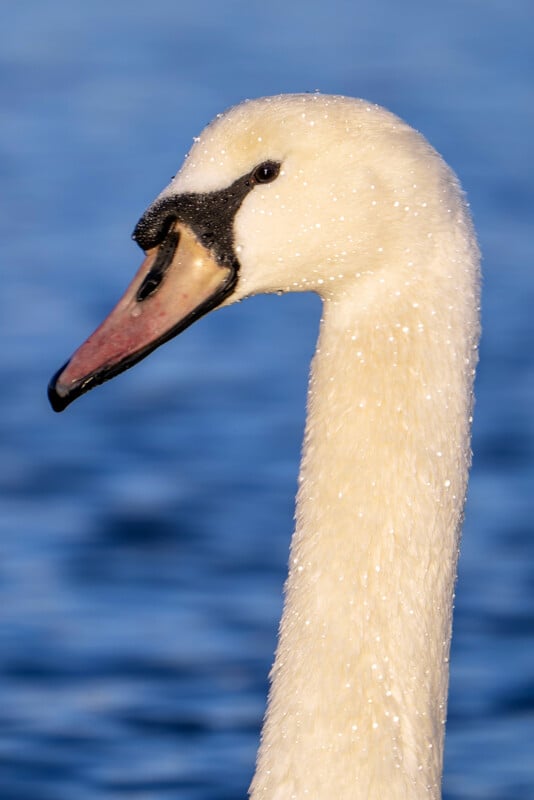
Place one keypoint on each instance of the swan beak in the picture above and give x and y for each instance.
(179, 281)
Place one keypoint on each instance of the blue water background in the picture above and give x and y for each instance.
(144, 533)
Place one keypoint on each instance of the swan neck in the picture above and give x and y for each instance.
(359, 683)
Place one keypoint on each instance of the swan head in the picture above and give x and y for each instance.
(286, 193)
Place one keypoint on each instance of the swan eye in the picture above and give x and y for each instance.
(266, 172)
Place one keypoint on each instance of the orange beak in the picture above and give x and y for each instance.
(179, 281)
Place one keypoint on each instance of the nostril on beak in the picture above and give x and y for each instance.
(163, 260)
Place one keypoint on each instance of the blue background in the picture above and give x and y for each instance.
(144, 533)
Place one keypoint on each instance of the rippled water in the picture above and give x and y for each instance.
(144, 533)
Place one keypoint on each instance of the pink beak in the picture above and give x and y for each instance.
(177, 282)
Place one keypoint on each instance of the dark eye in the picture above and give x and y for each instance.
(266, 172)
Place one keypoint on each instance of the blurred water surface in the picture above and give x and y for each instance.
(144, 533)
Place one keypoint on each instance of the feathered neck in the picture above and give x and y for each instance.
(359, 685)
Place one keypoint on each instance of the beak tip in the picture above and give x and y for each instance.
(58, 393)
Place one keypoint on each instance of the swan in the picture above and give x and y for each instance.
(337, 196)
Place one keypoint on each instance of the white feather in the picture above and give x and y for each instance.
(367, 214)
